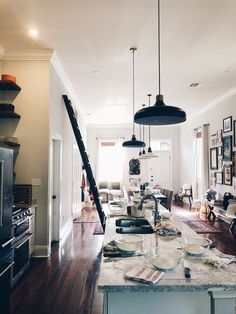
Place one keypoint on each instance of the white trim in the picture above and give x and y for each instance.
(28, 55)
(41, 251)
(2, 52)
(66, 82)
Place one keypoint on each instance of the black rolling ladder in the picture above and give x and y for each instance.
(85, 160)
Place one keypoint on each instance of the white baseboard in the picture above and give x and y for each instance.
(40, 251)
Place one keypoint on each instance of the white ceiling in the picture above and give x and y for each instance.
(198, 44)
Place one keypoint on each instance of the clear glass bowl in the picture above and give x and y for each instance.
(196, 246)
(164, 259)
(129, 243)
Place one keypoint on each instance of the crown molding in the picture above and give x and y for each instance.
(27, 55)
(66, 82)
(2, 52)
(213, 103)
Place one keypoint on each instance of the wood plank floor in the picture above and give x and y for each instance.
(66, 283)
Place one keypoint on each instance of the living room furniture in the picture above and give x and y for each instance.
(231, 213)
(186, 192)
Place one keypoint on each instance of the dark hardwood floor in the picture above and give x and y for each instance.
(66, 283)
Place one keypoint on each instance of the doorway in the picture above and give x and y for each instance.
(159, 170)
(55, 190)
(76, 183)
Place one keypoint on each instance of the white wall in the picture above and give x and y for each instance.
(61, 128)
(171, 133)
(32, 131)
(214, 116)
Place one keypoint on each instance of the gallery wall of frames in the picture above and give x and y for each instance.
(223, 154)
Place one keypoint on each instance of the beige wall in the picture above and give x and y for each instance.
(32, 131)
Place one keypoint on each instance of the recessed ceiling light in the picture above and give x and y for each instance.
(96, 72)
(195, 84)
(33, 32)
(88, 114)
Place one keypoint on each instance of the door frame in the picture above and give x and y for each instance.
(55, 170)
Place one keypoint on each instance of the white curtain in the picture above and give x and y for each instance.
(201, 165)
(109, 160)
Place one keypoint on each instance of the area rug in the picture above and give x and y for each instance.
(98, 229)
(206, 227)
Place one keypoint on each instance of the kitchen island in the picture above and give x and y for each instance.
(209, 291)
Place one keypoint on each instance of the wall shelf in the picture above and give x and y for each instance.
(9, 115)
(9, 86)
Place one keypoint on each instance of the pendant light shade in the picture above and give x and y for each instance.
(133, 143)
(159, 114)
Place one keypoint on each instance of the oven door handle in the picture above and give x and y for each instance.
(16, 225)
(26, 238)
(7, 242)
(6, 269)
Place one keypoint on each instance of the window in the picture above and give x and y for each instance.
(110, 161)
(160, 145)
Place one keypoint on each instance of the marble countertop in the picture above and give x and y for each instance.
(204, 276)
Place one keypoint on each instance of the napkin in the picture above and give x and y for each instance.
(219, 260)
(144, 275)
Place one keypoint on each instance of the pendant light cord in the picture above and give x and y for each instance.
(133, 50)
(159, 43)
(149, 128)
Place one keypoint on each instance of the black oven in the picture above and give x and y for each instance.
(20, 245)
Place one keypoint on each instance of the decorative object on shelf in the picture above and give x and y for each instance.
(227, 124)
(234, 132)
(227, 148)
(7, 111)
(219, 150)
(227, 175)
(133, 143)
(159, 114)
(213, 139)
(213, 158)
(219, 136)
(8, 77)
(219, 177)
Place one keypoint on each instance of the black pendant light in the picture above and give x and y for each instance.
(159, 114)
(133, 143)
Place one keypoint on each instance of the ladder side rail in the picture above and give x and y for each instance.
(85, 159)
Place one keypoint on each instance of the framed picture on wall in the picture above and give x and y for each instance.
(234, 163)
(234, 132)
(219, 177)
(214, 158)
(219, 136)
(220, 164)
(234, 183)
(227, 175)
(213, 139)
(227, 124)
(227, 148)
